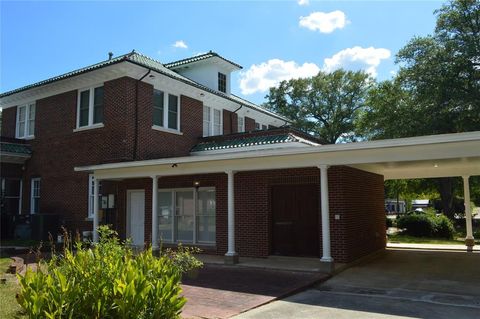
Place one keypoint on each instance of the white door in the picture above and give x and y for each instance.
(136, 206)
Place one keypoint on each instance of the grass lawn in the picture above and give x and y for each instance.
(399, 238)
(9, 308)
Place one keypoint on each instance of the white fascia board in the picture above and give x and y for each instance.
(344, 154)
(75, 82)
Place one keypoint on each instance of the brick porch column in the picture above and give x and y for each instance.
(326, 256)
(469, 240)
(231, 257)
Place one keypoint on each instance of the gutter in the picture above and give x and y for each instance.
(135, 138)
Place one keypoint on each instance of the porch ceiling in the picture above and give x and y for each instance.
(426, 156)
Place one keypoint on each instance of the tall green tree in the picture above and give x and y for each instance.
(325, 105)
(437, 89)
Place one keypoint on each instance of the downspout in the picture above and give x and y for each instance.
(135, 133)
(231, 119)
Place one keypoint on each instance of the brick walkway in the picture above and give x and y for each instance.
(224, 291)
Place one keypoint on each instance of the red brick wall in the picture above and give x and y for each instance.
(230, 124)
(57, 149)
(9, 122)
(249, 124)
(359, 231)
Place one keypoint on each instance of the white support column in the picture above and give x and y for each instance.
(326, 256)
(95, 209)
(469, 240)
(231, 256)
(154, 212)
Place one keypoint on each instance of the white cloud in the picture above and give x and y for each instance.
(303, 2)
(357, 58)
(180, 44)
(324, 22)
(259, 78)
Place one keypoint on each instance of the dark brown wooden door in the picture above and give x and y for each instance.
(295, 220)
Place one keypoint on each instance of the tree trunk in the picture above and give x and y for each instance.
(445, 188)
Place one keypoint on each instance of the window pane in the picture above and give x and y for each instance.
(84, 100)
(206, 216)
(240, 124)
(184, 215)
(21, 113)
(217, 129)
(206, 121)
(222, 82)
(172, 111)
(21, 129)
(31, 120)
(98, 105)
(158, 101)
(21, 117)
(165, 216)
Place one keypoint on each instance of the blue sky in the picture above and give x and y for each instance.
(272, 40)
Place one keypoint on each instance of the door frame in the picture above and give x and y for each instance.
(128, 222)
(271, 215)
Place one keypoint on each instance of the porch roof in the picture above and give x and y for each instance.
(455, 154)
(16, 153)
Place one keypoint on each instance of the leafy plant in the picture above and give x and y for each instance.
(426, 225)
(105, 280)
(183, 258)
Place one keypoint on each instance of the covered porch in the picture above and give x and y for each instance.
(418, 157)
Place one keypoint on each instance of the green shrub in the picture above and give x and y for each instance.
(103, 281)
(419, 225)
(443, 227)
(426, 225)
(183, 258)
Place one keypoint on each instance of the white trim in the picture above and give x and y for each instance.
(166, 102)
(211, 123)
(89, 127)
(21, 198)
(32, 197)
(91, 104)
(166, 130)
(26, 121)
(129, 214)
(173, 191)
(457, 143)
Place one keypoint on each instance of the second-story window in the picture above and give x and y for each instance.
(25, 121)
(90, 107)
(222, 82)
(212, 121)
(241, 124)
(166, 117)
(158, 97)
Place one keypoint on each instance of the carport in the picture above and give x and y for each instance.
(417, 157)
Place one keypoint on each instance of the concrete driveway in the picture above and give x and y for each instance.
(399, 284)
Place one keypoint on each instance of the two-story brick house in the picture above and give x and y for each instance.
(73, 145)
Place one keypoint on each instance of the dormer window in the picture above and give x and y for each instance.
(222, 82)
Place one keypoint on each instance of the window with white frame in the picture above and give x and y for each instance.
(169, 116)
(212, 121)
(90, 107)
(187, 215)
(91, 193)
(241, 124)
(25, 121)
(11, 195)
(257, 126)
(264, 127)
(222, 82)
(35, 195)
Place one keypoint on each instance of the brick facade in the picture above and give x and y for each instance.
(128, 135)
(360, 229)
